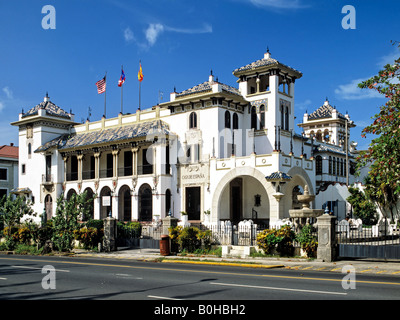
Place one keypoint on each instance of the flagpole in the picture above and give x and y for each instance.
(140, 87)
(122, 85)
(105, 95)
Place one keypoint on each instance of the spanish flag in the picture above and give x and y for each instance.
(140, 73)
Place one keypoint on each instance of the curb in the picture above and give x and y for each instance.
(247, 265)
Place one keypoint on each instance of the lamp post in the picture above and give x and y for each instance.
(347, 150)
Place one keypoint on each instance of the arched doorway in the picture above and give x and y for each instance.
(124, 204)
(145, 203)
(48, 203)
(242, 194)
(70, 193)
(105, 202)
(90, 204)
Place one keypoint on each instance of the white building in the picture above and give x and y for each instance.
(211, 147)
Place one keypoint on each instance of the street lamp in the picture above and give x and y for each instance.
(347, 150)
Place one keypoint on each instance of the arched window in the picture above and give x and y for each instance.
(235, 121)
(145, 203)
(334, 166)
(319, 135)
(89, 204)
(341, 167)
(287, 118)
(262, 117)
(318, 165)
(29, 149)
(105, 210)
(326, 135)
(253, 118)
(167, 202)
(282, 118)
(227, 119)
(193, 120)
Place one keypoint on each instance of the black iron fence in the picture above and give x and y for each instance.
(148, 236)
(381, 241)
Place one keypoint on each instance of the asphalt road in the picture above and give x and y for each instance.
(70, 278)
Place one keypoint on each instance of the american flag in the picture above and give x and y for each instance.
(101, 85)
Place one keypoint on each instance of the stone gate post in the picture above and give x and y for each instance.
(110, 234)
(168, 222)
(327, 244)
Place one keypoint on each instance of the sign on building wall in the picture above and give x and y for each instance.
(106, 201)
(194, 174)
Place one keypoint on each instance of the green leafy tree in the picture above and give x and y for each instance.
(66, 221)
(11, 213)
(362, 205)
(383, 154)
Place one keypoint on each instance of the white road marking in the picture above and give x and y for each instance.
(34, 268)
(162, 298)
(274, 288)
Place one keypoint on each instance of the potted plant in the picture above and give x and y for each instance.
(184, 217)
(207, 215)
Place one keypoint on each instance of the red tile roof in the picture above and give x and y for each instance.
(9, 151)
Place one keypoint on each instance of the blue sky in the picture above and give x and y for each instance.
(179, 42)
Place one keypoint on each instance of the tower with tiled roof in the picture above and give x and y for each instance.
(39, 173)
(269, 86)
(327, 124)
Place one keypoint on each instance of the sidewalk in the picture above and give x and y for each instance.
(360, 266)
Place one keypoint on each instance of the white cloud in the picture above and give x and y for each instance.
(278, 4)
(128, 35)
(207, 28)
(303, 105)
(389, 58)
(153, 31)
(8, 92)
(351, 91)
(1, 106)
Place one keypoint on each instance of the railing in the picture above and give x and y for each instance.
(87, 175)
(47, 178)
(381, 241)
(145, 169)
(72, 176)
(125, 171)
(228, 234)
(107, 173)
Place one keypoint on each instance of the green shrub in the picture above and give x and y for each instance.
(279, 239)
(190, 239)
(93, 223)
(27, 249)
(129, 230)
(89, 237)
(44, 233)
(307, 240)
